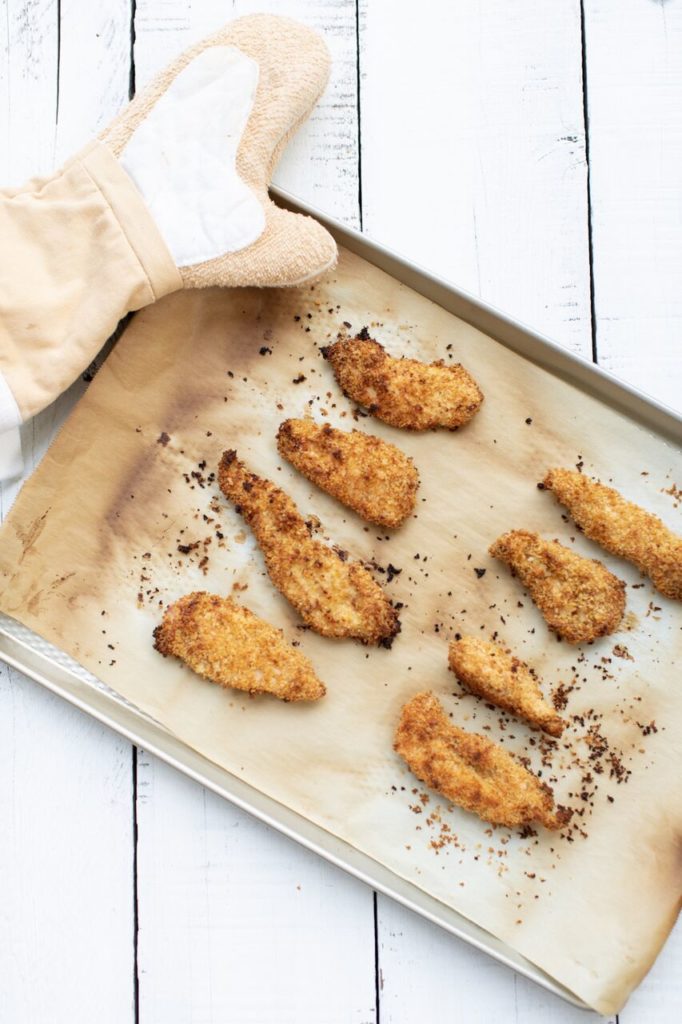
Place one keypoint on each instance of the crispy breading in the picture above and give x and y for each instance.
(495, 674)
(470, 770)
(333, 596)
(369, 475)
(404, 392)
(621, 527)
(228, 644)
(578, 597)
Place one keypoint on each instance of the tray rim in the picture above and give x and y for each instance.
(154, 738)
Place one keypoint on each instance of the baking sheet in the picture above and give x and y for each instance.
(96, 546)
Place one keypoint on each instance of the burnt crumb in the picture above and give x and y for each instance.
(264, 351)
(185, 549)
(480, 573)
(298, 380)
(560, 696)
(647, 730)
(540, 486)
(579, 464)
(87, 376)
(347, 324)
(364, 334)
(297, 318)
(621, 651)
(529, 420)
(343, 555)
(392, 572)
(163, 438)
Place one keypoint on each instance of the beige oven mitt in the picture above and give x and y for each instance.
(174, 194)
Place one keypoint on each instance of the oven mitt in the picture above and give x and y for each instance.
(174, 194)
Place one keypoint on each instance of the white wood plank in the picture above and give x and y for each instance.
(321, 162)
(226, 934)
(634, 93)
(66, 852)
(427, 975)
(94, 69)
(28, 80)
(239, 925)
(66, 949)
(473, 151)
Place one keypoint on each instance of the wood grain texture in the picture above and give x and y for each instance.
(66, 861)
(634, 80)
(427, 975)
(239, 925)
(473, 151)
(66, 851)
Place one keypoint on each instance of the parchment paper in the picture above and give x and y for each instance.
(104, 535)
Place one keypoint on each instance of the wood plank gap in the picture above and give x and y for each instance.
(131, 77)
(359, 110)
(377, 966)
(586, 121)
(136, 914)
(59, 54)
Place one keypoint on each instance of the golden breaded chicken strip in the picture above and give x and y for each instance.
(229, 645)
(578, 597)
(621, 527)
(487, 670)
(334, 597)
(470, 770)
(372, 477)
(403, 392)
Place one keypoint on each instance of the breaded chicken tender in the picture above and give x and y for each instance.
(621, 527)
(369, 475)
(470, 770)
(578, 597)
(489, 671)
(403, 392)
(334, 597)
(228, 644)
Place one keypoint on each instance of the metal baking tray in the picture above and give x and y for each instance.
(29, 653)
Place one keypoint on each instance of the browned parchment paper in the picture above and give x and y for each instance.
(104, 535)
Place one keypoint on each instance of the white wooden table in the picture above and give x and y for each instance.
(532, 153)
